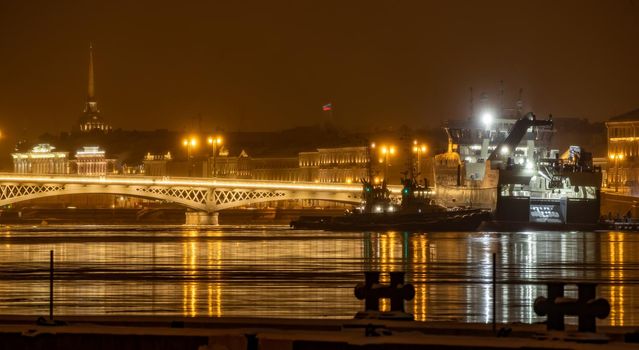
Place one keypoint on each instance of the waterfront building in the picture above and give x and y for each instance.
(309, 163)
(335, 165)
(326, 165)
(156, 164)
(622, 173)
(91, 160)
(234, 167)
(91, 119)
(276, 169)
(41, 159)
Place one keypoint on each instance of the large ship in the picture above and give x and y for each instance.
(506, 165)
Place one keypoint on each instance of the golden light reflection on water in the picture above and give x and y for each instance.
(190, 288)
(282, 273)
(420, 249)
(386, 260)
(214, 264)
(616, 247)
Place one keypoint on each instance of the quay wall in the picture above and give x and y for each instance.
(619, 204)
(267, 334)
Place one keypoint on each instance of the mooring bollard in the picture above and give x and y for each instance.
(586, 307)
(372, 291)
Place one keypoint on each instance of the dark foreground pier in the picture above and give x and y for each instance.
(266, 334)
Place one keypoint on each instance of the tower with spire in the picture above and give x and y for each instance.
(91, 119)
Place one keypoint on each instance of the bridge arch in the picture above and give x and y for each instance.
(207, 199)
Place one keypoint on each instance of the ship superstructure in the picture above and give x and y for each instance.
(516, 174)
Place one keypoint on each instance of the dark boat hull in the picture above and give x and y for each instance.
(464, 220)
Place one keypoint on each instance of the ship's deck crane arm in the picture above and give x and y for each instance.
(517, 133)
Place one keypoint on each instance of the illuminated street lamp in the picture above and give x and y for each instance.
(617, 157)
(215, 142)
(420, 150)
(387, 153)
(190, 144)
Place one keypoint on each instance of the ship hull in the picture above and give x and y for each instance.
(463, 220)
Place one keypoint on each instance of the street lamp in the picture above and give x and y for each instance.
(386, 152)
(420, 150)
(190, 144)
(215, 142)
(616, 157)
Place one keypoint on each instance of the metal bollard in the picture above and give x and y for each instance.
(586, 307)
(372, 291)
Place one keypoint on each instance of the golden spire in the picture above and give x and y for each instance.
(91, 90)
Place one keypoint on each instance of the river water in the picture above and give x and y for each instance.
(277, 272)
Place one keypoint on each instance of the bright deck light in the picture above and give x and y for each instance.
(487, 118)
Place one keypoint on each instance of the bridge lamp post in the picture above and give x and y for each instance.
(420, 150)
(189, 144)
(215, 142)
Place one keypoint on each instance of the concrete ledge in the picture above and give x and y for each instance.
(254, 333)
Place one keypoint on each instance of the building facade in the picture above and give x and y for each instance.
(622, 173)
(324, 165)
(42, 159)
(156, 164)
(335, 165)
(90, 161)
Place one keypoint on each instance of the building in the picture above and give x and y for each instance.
(334, 165)
(91, 160)
(91, 120)
(622, 173)
(41, 160)
(276, 169)
(225, 166)
(156, 164)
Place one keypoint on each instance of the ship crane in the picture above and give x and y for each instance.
(516, 134)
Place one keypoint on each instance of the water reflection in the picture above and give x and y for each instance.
(616, 254)
(281, 273)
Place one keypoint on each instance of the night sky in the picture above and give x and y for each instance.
(267, 65)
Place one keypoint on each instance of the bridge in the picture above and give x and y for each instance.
(205, 196)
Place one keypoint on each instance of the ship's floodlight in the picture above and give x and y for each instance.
(504, 150)
(487, 118)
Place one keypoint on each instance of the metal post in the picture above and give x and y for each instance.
(371, 279)
(214, 158)
(555, 318)
(419, 160)
(397, 280)
(586, 292)
(386, 166)
(616, 173)
(51, 285)
(494, 292)
(188, 158)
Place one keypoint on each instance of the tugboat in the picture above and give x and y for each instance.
(417, 212)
